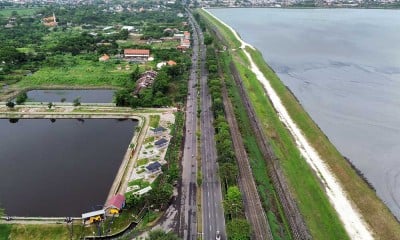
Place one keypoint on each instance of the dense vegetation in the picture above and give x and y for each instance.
(32, 55)
(238, 227)
(169, 87)
(68, 55)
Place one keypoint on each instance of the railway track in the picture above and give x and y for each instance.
(252, 204)
(292, 213)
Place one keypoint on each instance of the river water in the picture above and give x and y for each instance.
(344, 67)
(60, 168)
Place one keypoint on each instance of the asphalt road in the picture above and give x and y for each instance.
(189, 164)
(213, 214)
(212, 210)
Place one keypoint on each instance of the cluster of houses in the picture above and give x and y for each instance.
(155, 154)
(145, 80)
(112, 208)
(182, 37)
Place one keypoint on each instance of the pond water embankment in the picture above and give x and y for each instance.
(69, 95)
(59, 167)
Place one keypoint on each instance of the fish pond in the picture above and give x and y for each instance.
(59, 167)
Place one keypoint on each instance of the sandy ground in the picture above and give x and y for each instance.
(352, 220)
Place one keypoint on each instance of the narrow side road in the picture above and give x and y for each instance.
(188, 212)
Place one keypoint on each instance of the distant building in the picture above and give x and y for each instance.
(128, 28)
(178, 36)
(171, 63)
(185, 43)
(142, 191)
(104, 58)
(93, 217)
(158, 130)
(186, 35)
(115, 205)
(161, 143)
(154, 167)
(137, 55)
(50, 21)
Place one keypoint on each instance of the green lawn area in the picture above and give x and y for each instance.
(142, 161)
(140, 182)
(5, 230)
(76, 71)
(154, 121)
(39, 232)
(149, 140)
(165, 45)
(21, 11)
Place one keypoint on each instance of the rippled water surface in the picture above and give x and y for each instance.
(344, 67)
(59, 168)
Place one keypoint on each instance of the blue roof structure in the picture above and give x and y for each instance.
(154, 166)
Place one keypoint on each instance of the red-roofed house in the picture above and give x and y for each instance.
(187, 35)
(104, 58)
(115, 204)
(171, 63)
(185, 43)
(137, 54)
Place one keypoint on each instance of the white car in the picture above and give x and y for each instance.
(218, 236)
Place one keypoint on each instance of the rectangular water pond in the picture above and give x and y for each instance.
(69, 95)
(62, 167)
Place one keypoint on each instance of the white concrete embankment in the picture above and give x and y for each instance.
(352, 220)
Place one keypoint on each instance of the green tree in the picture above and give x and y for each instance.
(233, 201)
(21, 98)
(135, 74)
(228, 172)
(76, 102)
(160, 195)
(123, 97)
(161, 235)
(238, 229)
(10, 104)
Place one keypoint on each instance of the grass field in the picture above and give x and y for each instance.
(21, 12)
(154, 121)
(75, 71)
(5, 231)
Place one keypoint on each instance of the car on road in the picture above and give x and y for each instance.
(217, 236)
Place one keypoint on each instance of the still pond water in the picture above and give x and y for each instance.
(85, 96)
(344, 67)
(60, 168)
